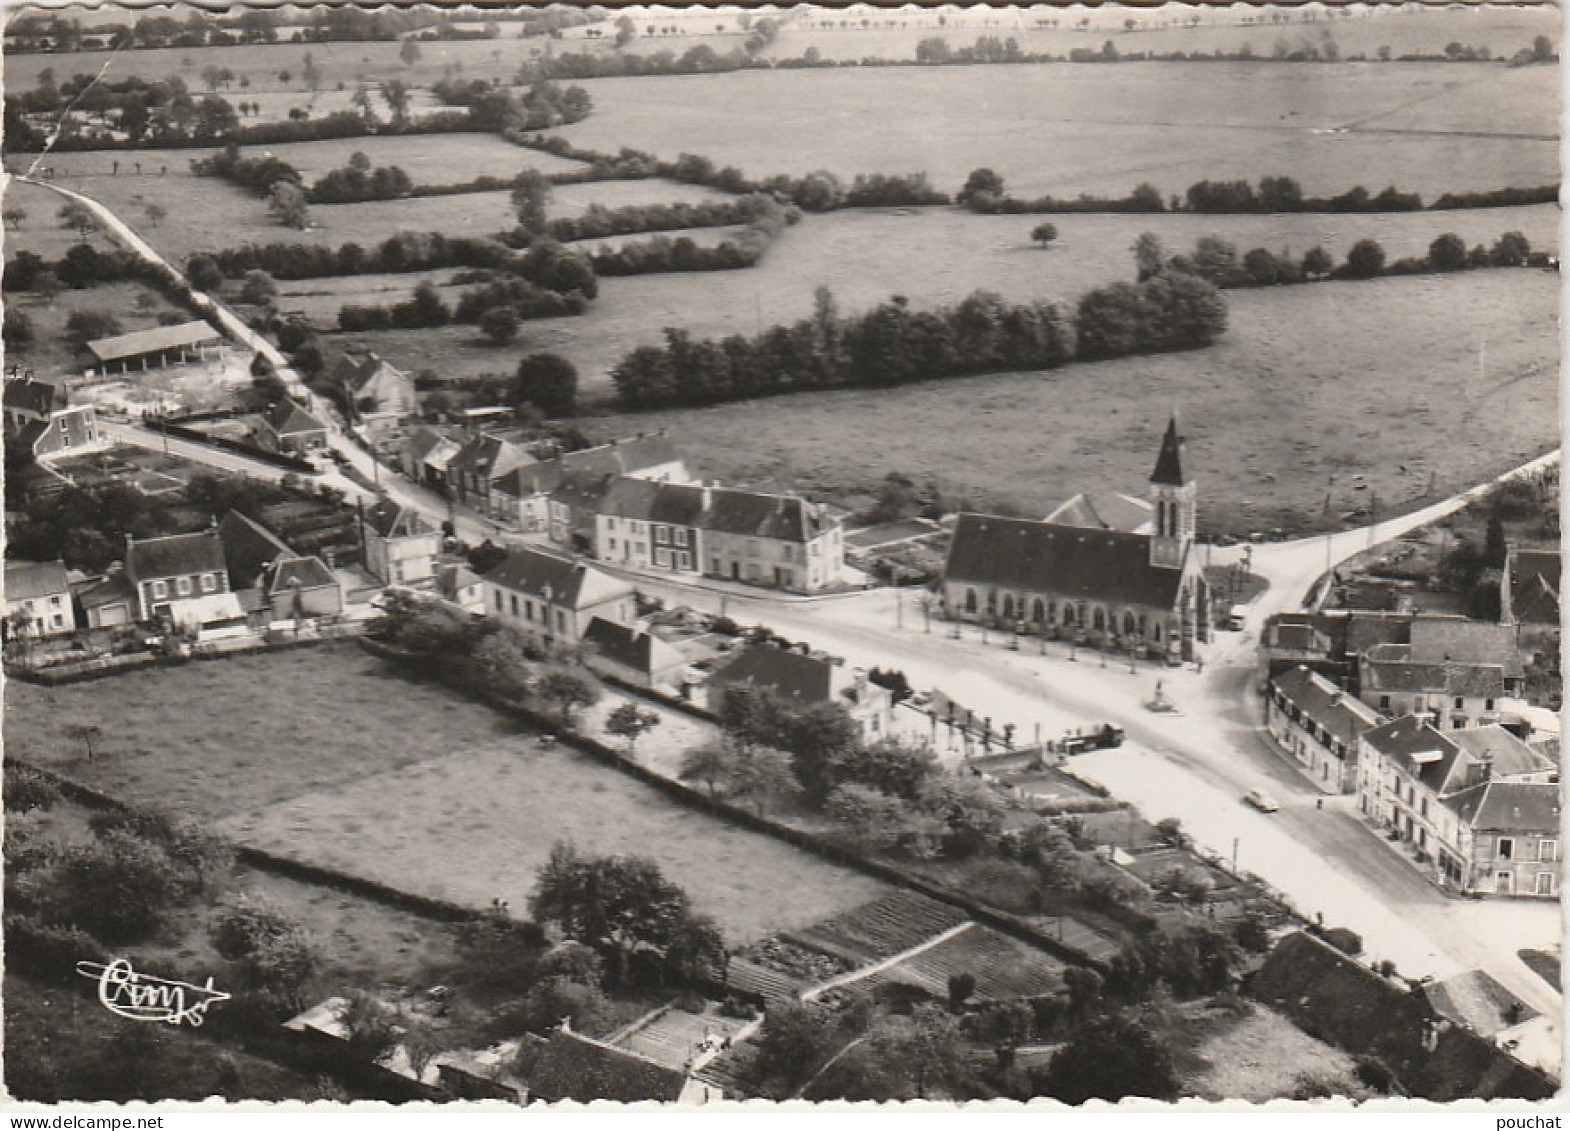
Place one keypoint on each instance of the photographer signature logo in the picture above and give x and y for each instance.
(142, 997)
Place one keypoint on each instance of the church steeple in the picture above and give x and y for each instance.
(1172, 496)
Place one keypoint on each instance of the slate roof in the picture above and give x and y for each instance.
(1408, 741)
(675, 504)
(39, 397)
(789, 675)
(289, 419)
(1344, 716)
(360, 372)
(572, 584)
(138, 342)
(424, 441)
(639, 453)
(1044, 557)
(1438, 639)
(1534, 586)
(531, 479)
(1509, 756)
(1169, 461)
(575, 1067)
(306, 573)
(1105, 510)
(1509, 806)
(27, 580)
(789, 518)
(630, 647)
(450, 579)
(111, 589)
(248, 547)
(393, 520)
(1365, 630)
(175, 555)
(583, 490)
(481, 454)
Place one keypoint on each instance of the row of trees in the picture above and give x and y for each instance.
(598, 221)
(894, 344)
(662, 253)
(985, 192)
(494, 109)
(357, 181)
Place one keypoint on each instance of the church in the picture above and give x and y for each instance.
(1106, 570)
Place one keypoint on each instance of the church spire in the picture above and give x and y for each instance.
(1169, 464)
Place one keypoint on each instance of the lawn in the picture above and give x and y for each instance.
(1467, 365)
(327, 755)
(40, 231)
(1103, 129)
(1263, 1056)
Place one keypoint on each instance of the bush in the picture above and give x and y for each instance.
(1347, 941)
(119, 888)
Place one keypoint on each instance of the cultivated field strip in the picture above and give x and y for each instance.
(880, 929)
(1003, 968)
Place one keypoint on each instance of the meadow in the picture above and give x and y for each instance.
(1067, 129)
(1438, 380)
(328, 755)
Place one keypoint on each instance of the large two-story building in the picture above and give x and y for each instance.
(1317, 725)
(552, 597)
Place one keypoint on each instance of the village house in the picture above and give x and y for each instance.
(552, 597)
(582, 478)
(374, 387)
(1451, 695)
(1143, 592)
(108, 601)
(782, 541)
(38, 599)
(425, 456)
(575, 508)
(633, 655)
(1430, 790)
(649, 525)
(289, 429)
(398, 546)
(478, 464)
(183, 579)
(1318, 725)
(273, 582)
(40, 419)
(803, 680)
(572, 1066)
(461, 586)
(1529, 589)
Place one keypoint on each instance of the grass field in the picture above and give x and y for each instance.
(327, 755)
(1104, 129)
(1263, 1056)
(429, 159)
(1368, 378)
(134, 306)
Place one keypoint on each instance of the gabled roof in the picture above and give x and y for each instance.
(390, 519)
(175, 555)
(1017, 553)
(788, 518)
(423, 441)
(111, 589)
(575, 1067)
(1105, 510)
(1344, 716)
(1391, 667)
(482, 454)
(1509, 806)
(289, 419)
(789, 675)
(452, 578)
(583, 489)
(1169, 461)
(359, 372)
(1440, 639)
(1365, 630)
(639, 453)
(1419, 749)
(249, 547)
(630, 647)
(676, 504)
(568, 583)
(138, 342)
(27, 580)
(530, 479)
(1506, 754)
(39, 397)
(303, 573)
(1534, 586)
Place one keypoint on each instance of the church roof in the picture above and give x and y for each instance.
(1105, 510)
(1169, 464)
(1073, 562)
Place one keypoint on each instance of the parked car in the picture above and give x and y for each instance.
(1104, 737)
(1262, 801)
(1235, 617)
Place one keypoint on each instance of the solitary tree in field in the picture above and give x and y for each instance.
(501, 323)
(530, 193)
(156, 214)
(709, 763)
(77, 217)
(549, 382)
(286, 201)
(1044, 234)
(86, 734)
(631, 722)
(395, 92)
(409, 52)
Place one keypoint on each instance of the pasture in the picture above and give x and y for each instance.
(328, 755)
(1449, 378)
(1103, 129)
(429, 159)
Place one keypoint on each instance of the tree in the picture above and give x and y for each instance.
(409, 52)
(1261, 267)
(79, 218)
(1109, 1059)
(83, 326)
(14, 217)
(371, 1028)
(18, 332)
(873, 820)
(531, 191)
(567, 688)
(395, 92)
(1150, 256)
(203, 272)
(1215, 259)
(258, 289)
(1511, 250)
(1317, 262)
(631, 722)
(1542, 49)
(286, 202)
(710, 762)
(761, 775)
(983, 187)
(273, 953)
(1044, 234)
(118, 887)
(794, 1041)
(1365, 260)
(156, 214)
(549, 382)
(1447, 253)
(85, 733)
(501, 323)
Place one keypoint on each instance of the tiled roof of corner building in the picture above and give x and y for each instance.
(176, 555)
(1534, 586)
(26, 580)
(787, 518)
(1509, 806)
(289, 419)
(1403, 740)
(1169, 461)
(788, 674)
(1345, 716)
(1044, 557)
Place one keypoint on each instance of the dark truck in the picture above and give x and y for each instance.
(1103, 737)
